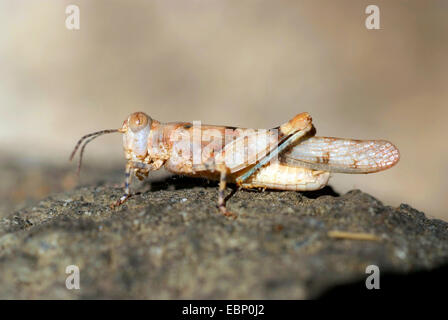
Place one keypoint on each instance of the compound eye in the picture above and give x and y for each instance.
(137, 121)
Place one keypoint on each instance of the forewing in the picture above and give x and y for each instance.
(248, 148)
(342, 155)
(237, 148)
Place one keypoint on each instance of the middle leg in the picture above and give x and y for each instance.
(222, 187)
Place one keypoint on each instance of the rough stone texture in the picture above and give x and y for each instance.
(170, 242)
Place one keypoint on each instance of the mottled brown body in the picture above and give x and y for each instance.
(287, 157)
(166, 143)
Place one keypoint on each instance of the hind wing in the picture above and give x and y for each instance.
(342, 155)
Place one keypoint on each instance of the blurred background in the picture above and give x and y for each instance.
(250, 64)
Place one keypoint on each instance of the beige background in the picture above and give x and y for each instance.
(251, 64)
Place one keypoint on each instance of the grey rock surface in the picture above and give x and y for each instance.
(169, 241)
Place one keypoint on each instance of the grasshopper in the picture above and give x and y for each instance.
(287, 157)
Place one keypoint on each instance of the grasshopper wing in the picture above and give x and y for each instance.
(252, 146)
(342, 155)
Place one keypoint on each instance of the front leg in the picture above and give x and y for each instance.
(131, 167)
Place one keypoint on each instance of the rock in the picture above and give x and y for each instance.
(170, 242)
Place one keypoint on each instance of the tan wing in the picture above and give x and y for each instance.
(342, 155)
(251, 146)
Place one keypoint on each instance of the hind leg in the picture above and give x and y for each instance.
(284, 177)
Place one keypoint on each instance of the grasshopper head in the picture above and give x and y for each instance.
(136, 129)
